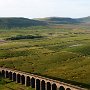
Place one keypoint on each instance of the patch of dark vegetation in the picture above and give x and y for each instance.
(19, 37)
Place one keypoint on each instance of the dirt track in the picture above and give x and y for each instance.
(2, 41)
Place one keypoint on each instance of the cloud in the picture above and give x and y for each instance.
(44, 8)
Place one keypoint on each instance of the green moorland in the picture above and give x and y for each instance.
(60, 52)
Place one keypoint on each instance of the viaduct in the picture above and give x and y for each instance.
(35, 81)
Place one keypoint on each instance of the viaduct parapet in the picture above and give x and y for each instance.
(35, 81)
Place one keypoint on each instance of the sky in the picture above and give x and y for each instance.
(44, 8)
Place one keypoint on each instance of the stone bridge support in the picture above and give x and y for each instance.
(35, 81)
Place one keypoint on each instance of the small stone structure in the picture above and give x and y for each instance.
(35, 81)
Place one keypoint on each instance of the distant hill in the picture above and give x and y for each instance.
(58, 20)
(84, 19)
(19, 22)
(8, 23)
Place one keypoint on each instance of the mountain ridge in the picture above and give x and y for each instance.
(85, 19)
(58, 20)
(64, 20)
(20, 22)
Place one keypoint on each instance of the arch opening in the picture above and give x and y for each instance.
(7, 74)
(22, 79)
(61, 88)
(42, 85)
(33, 82)
(10, 75)
(27, 81)
(68, 89)
(37, 84)
(14, 77)
(54, 87)
(18, 78)
(3, 73)
(48, 86)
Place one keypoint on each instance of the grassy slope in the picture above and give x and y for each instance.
(8, 23)
(63, 54)
(85, 19)
(58, 20)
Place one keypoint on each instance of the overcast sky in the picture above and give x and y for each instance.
(44, 8)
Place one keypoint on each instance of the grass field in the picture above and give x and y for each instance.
(62, 53)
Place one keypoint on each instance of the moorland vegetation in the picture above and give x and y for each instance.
(59, 52)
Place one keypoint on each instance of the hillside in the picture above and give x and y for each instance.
(85, 19)
(8, 23)
(19, 22)
(58, 20)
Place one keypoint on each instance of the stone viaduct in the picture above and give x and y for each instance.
(35, 81)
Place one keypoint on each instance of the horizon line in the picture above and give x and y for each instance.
(42, 17)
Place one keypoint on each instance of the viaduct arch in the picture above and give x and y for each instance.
(35, 81)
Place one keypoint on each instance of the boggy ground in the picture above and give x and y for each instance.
(63, 52)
